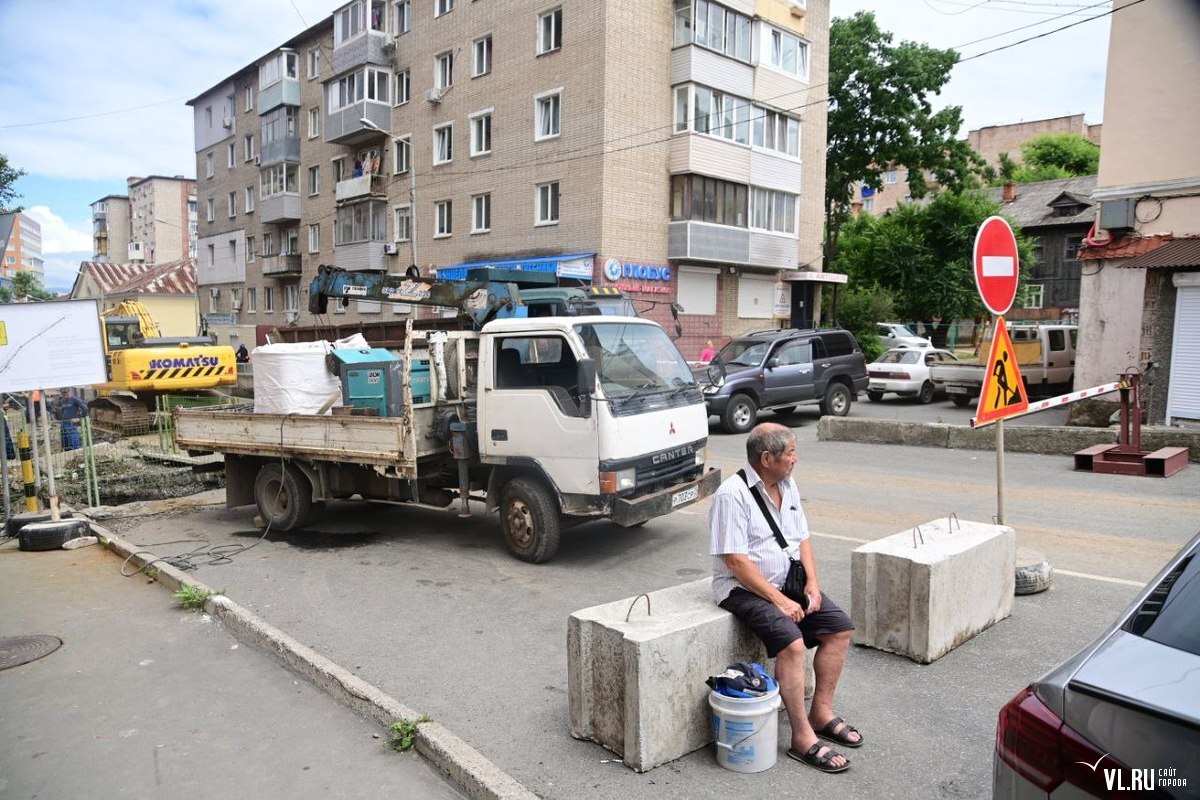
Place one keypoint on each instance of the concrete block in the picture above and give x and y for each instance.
(637, 687)
(922, 600)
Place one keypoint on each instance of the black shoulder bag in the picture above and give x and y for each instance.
(797, 577)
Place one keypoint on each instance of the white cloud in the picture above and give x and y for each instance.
(57, 235)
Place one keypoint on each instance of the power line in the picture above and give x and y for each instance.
(92, 116)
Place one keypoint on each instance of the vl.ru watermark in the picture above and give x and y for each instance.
(1142, 780)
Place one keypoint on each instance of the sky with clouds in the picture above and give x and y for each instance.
(93, 93)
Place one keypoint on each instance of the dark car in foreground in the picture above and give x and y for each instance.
(780, 370)
(1122, 717)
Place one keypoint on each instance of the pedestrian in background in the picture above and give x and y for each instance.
(70, 410)
(708, 353)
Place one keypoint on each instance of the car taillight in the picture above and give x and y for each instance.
(895, 376)
(1032, 740)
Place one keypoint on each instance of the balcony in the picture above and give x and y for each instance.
(284, 92)
(280, 150)
(361, 255)
(375, 48)
(362, 186)
(281, 265)
(344, 126)
(279, 208)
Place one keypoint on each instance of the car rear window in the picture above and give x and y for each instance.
(900, 357)
(838, 344)
(1171, 613)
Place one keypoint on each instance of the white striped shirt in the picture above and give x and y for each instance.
(736, 525)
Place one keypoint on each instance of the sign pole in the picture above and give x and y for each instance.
(54, 515)
(1000, 472)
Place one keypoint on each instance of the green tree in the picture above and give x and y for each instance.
(1069, 152)
(8, 190)
(880, 116)
(25, 287)
(922, 255)
(859, 308)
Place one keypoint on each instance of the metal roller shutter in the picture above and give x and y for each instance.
(1183, 395)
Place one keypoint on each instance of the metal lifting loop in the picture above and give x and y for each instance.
(634, 603)
(953, 518)
(917, 532)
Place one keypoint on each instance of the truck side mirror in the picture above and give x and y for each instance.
(585, 382)
(773, 362)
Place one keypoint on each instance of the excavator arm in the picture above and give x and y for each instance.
(478, 301)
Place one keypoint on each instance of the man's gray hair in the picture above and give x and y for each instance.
(768, 437)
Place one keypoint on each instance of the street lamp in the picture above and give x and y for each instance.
(412, 183)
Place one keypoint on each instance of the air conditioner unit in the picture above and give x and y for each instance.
(389, 46)
(798, 7)
(227, 122)
(236, 305)
(435, 95)
(390, 249)
(257, 160)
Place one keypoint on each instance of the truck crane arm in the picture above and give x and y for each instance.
(478, 301)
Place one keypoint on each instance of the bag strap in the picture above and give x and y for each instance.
(762, 506)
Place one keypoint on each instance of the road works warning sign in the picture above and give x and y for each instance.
(1003, 393)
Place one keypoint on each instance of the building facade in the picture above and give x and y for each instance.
(154, 223)
(1140, 288)
(675, 150)
(23, 250)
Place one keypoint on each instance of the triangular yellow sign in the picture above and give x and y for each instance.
(1003, 393)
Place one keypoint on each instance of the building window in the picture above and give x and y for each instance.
(250, 251)
(314, 180)
(891, 176)
(230, 155)
(704, 199)
(314, 123)
(402, 219)
(348, 23)
(481, 213)
(443, 71)
(268, 248)
(443, 144)
(370, 83)
(339, 168)
(787, 53)
(314, 62)
(251, 298)
(713, 26)
(441, 7)
(210, 209)
(481, 133)
(232, 251)
(443, 215)
(1074, 245)
(277, 179)
(1034, 294)
(268, 299)
(547, 203)
(868, 205)
(772, 210)
(249, 93)
(248, 147)
(208, 165)
(314, 238)
(402, 17)
(401, 155)
(715, 113)
(550, 31)
(547, 115)
(482, 63)
(775, 131)
(361, 222)
(249, 199)
(403, 88)
(232, 200)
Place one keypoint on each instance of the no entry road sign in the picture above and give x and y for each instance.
(996, 266)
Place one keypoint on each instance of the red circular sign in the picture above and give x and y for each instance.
(996, 265)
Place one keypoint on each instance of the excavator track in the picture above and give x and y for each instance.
(121, 415)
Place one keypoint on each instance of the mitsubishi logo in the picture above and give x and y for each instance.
(672, 429)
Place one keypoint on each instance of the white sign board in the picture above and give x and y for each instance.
(50, 345)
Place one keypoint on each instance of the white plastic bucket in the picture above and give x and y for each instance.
(746, 730)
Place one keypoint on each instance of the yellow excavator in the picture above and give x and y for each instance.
(142, 365)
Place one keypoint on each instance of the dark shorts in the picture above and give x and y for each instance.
(778, 631)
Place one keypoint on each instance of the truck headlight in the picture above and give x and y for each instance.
(701, 456)
(712, 388)
(619, 481)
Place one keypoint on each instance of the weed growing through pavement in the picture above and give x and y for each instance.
(191, 597)
(403, 733)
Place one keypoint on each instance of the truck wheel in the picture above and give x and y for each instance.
(284, 496)
(837, 401)
(529, 518)
(874, 397)
(926, 393)
(961, 400)
(741, 414)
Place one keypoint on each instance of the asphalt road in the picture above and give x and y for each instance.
(433, 610)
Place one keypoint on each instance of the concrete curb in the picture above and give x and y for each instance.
(1045, 439)
(460, 762)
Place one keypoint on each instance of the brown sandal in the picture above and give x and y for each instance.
(820, 762)
(842, 737)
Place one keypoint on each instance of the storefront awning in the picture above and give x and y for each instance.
(577, 266)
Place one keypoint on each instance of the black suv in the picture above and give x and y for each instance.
(782, 369)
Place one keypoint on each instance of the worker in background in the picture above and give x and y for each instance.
(70, 410)
(243, 355)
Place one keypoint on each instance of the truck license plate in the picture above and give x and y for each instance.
(686, 496)
(956, 390)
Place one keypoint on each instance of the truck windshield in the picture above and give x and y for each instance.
(744, 353)
(634, 359)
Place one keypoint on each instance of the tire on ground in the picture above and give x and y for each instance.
(874, 397)
(1033, 572)
(16, 522)
(740, 415)
(961, 400)
(51, 535)
(284, 496)
(837, 400)
(530, 521)
(925, 395)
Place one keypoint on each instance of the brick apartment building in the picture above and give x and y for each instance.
(154, 223)
(675, 150)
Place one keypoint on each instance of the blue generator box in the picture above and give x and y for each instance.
(371, 378)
